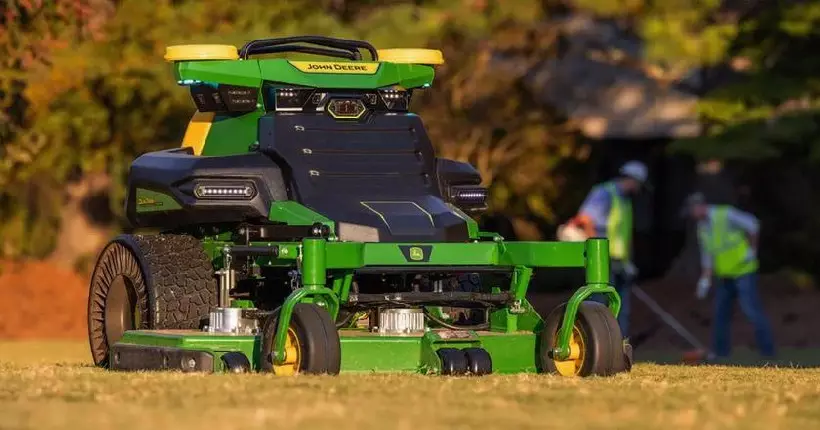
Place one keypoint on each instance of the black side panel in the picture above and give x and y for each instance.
(451, 172)
(127, 357)
(380, 173)
(175, 171)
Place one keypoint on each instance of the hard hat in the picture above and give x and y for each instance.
(635, 170)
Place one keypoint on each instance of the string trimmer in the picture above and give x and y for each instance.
(690, 357)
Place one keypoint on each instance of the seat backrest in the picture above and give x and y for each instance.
(380, 173)
(389, 156)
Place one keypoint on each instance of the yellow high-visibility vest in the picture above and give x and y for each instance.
(619, 225)
(729, 247)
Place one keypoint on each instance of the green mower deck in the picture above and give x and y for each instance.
(511, 340)
(362, 351)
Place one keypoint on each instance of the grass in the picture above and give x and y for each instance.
(50, 385)
(787, 357)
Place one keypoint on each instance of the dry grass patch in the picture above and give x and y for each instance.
(50, 385)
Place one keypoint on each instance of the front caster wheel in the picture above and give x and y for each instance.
(236, 362)
(312, 344)
(596, 343)
(453, 361)
(479, 361)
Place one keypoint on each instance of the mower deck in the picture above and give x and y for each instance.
(506, 344)
(362, 351)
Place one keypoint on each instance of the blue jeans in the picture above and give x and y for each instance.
(623, 285)
(744, 289)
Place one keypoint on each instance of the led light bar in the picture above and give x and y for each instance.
(244, 191)
(472, 196)
(469, 198)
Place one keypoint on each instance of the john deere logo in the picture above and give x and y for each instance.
(152, 201)
(346, 68)
(147, 201)
(416, 254)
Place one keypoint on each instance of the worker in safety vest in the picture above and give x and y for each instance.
(728, 239)
(607, 212)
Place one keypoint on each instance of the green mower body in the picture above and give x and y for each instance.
(307, 226)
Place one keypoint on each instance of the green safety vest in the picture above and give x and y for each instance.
(619, 225)
(728, 246)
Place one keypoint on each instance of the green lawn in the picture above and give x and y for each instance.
(50, 385)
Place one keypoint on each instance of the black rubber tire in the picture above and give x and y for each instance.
(626, 363)
(115, 261)
(453, 361)
(603, 354)
(182, 287)
(236, 362)
(628, 358)
(479, 361)
(320, 347)
(170, 279)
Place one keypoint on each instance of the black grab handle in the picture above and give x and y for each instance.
(259, 46)
(305, 50)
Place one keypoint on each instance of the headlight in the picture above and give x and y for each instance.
(239, 99)
(338, 103)
(395, 99)
(469, 198)
(225, 190)
(223, 98)
(296, 99)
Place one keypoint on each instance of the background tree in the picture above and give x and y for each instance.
(86, 90)
(83, 90)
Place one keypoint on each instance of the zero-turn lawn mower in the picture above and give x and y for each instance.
(306, 226)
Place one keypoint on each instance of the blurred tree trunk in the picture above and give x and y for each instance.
(84, 228)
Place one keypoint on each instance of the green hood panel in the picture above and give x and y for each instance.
(252, 73)
(229, 72)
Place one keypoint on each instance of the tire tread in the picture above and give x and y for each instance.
(182, 279)
(604, 345)
(318, 336)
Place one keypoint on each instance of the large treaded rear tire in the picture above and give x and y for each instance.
(168, 282)
(182, 288)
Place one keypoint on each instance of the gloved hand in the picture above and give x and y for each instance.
(702, 290)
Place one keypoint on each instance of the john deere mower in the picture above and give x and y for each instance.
(306, 226)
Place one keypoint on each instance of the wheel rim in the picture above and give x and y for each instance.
(292, 356)
(121, 312)
(577, 351)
